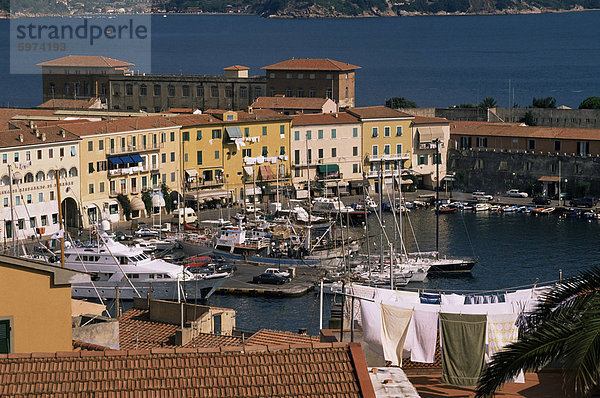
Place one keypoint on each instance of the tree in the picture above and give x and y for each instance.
(147, 200)
(548, 102)
(166, 191)
(565, 329)
(125, 205)
(467, 106)
(400, 102)
(590, 103)
(488, 102)
(528, 119)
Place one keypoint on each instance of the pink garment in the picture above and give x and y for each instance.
(422, 334)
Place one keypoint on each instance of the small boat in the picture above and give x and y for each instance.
(509, 209)
(482, 207)
(548, 210)
(447, 209)
(494, 207)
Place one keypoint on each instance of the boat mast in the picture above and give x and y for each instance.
(381, 216)
(436, 142)
(366, 225)
(308, 188)
(12, 213)
(60, 220)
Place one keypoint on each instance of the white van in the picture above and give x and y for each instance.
(189, 215)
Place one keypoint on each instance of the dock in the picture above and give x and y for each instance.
(241, 282)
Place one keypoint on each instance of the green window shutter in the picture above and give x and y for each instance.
(4, 336)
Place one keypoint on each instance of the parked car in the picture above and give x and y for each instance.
(271, 279)
(121, 236)
(479, 195)
(541, 200)
(515, 193)
(146, 232)
(277, 272)
(583, 202)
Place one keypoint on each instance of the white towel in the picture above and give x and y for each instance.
(453, 299)
(385, 296)
(371, 325)
(394, 328)
(501, 331)
(422, 334)
(519, 300)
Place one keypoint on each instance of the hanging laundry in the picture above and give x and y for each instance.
(385, 295)
(422, 333)
(370, 314)
(239, 142)
(501, 331)
(453, 299)
(394, 328)
(408, 299)
(430, 298)
(463, 348)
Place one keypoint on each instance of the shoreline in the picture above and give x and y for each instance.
(402, 14)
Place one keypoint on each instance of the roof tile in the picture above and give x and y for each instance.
(324, 64)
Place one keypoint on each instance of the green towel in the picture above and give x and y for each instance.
(463, 348)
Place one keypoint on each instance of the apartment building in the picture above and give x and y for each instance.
(327, 150)
(427, 164)
(30, 158)
(386, 143)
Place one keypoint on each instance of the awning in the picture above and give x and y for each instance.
(548, 179)
(192, 172)
(328, 168)
(265, 172)
(248, 170)
(136, 158)
(115, 160)
(233, 132)
(358, 183)
(126, 159)
(137, 204)
(207, 195)
(428, 134)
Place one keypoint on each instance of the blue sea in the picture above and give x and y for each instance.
(432, 60)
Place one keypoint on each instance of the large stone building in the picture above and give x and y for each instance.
(313, 78)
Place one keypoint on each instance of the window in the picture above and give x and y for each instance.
(243, 92)
(311, 93)
(257, 92)
(144, 182)
(320, 153)
(101, 145)
(21, 223)
(309, 156)
(90, 167)
(557, 146)
(101, 188)
(374, 150)
(156, 90)
(40, 197)
(328, 76)
(199, 91)
(482, 142)
(185, 135)
(333, 152)
(229, 117)
(386, 131)
(39, 154)
(50, 153)
(28, 155)
(171, 90)
(282, 150)
(214, 91)
(531, 144)
(264, 130)
(354, 151)
(246, 153)
(265, 151)
(355, 132)
(91, 188)
(29, 201)
(143, 90)
(288, 92)
(311, 76)
(282, 130)
(308, 134)
(216, 133)
(375, 132)
(246, 132)
(172, 156)
(61, 151)
(436, 158)
(52, 195)
(163, 158)
(300, 92)
(398, 131)
(198, 135)
(101, 165)
(172, 177)
(421, 159)
(297, 172)
(90, 146)
(163, 138)
(44, 220)
(217, 154)
(228, 92)
(465, 142)
(5, 202)
(16, 156)
(583, 148)
(296, 156)
(288, 75)
(386, 149)
(4, 158)
(185, 91)
(129, 89)
(328, 93)
(399, 149)
(199, 157)
(296, 137)
(333, 133)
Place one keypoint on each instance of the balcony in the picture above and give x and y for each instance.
(134, 148)
(133, 170)
(386, 173)
(114, 194)
(388, 157)
(330, 177)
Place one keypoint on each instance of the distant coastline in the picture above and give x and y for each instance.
(308, 15)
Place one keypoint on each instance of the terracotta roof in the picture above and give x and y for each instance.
(86, 61)
(289, 103)
(269, 337)
(119, 125)
(193, 120)
(377, 112)
(68, 103)
(180, 110)
(236, 67)
(51, 134)
(84, 346)
(512, 130)
(312, 64)
(137, 331)
(429, 120)
(324, 118)
(317, 370)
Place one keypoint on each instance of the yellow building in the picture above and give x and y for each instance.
(35, 309)
(125, 156)
(225, 151)
(386, 142)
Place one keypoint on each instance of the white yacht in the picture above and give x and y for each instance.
(330, 206)
(129, 270)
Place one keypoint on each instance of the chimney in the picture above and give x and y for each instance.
(250, 110)
(36, 132)
(335, 115)
(62, 133)
(43, 136)
(21, 137)
(31, 124)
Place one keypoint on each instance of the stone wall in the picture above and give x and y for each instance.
(498, 171)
